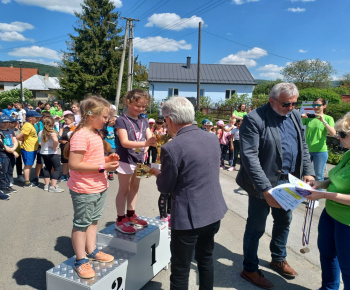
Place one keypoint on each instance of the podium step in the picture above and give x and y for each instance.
(63, 276)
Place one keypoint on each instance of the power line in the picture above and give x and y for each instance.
(134, 9)
(153, 8)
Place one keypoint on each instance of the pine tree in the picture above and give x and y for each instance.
(91, 65)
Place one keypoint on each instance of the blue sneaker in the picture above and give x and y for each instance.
(4, 196)
(99, 256)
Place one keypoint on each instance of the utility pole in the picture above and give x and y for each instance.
(199, 66)
(131, 55)
(21, 79)
(121, 69)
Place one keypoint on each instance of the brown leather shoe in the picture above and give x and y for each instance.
(257, 278)
(283, 269)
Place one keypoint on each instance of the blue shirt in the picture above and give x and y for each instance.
(110, 138)
(8, 112)
(289, 140)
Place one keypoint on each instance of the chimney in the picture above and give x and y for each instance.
(188, 62)
(47, 77)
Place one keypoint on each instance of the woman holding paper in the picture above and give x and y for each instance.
(334, 225)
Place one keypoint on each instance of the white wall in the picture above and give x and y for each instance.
(215, 91)
(8, 85)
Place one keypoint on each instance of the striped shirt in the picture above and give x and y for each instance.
(88, 182)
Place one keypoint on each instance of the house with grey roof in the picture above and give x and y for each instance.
(42, 87)
(218, 81)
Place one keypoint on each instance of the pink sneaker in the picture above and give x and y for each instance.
(137, 222)
(125, 227)
(231, 168)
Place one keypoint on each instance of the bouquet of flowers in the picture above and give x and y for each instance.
(143, 171)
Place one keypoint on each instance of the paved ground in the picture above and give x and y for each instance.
(35, 235)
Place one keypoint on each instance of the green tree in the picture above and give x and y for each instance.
(91, 64)
(14, 95)
(140, 80)
(309, 73)
(310, 94)
(264, 88)
(259, 100)
(345, 80)
(205, 101)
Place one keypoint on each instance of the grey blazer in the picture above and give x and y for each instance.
(261, 151)
(190, 172)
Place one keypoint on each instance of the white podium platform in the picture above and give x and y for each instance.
(138, 258)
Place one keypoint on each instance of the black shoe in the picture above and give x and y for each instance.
(5, 196)
(11, 189)
(5, 190)
(31, 184)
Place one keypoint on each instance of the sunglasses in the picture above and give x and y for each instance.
(316, 105)
(342, 135)
(286, 105)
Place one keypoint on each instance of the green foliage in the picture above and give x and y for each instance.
(14, 95)
(154, 107)
(337, 111)
(310, 94)
(345, 80)
(264, 88)
(43, 68)
(342, 90)
(205, 101)
(334, 157)
(140, 76)
(309, 73)
(259, 100)
(91, 64)
(234, 101)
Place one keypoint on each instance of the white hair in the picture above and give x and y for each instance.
(343, 125)
(179, 109)
(288, 89)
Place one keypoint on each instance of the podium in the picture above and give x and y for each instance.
(138, 258)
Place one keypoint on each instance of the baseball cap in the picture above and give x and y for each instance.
(209, 123)
(12, 119)
(4, 118)
(220, 123)
(32, 113)
(151, 121)
(67, 113)
(14, 113)
(204, 121)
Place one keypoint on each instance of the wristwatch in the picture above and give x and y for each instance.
(101, 169)
(325, 123)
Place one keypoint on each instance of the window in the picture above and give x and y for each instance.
(173, 92)
(201, 92)
(2, 87)
(229, 94)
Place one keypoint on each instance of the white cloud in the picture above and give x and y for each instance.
(244, 57)
(173, 21)
(13, 36)
(302, 51)
(158, 43)
(270, 71)
(15, 26)
(42, 61)
(36, 51)
(5, 1)
(297, 10)
(66, 6)
(240, 2)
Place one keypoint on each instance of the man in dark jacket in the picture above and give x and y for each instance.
(272, 145)
(190, 172)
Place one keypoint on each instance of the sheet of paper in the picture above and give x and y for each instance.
(287, 196)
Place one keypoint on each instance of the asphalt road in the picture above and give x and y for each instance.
(35, 235)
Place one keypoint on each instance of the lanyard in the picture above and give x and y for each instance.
(140, 133)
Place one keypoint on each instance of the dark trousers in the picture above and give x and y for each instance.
(258, 210)
(5, 172)
(223, 153)
(183, 244)
(236, 148)
(52, 161)
(164, 205)
(152, 151)
(19, 165)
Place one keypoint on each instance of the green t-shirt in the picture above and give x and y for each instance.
(316, 133)
(239, 114)
(340, 176)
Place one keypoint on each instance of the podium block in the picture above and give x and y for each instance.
(108, 275)
(138, 258)
(151, 246)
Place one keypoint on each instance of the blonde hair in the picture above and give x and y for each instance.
(93, 105)
(48, 129)
(343, 124)
(135, 95)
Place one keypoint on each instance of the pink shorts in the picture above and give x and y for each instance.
(126, 168)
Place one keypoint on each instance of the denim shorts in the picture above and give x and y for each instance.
(28, 157)
(87, 208)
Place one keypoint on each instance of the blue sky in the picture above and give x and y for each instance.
(265, 35)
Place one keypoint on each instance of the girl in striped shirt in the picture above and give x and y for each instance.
(88, 182)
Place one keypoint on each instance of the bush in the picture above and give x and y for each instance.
(334, 157)
(14, 95)
(259, 100)
(310, 94)
(337, 111)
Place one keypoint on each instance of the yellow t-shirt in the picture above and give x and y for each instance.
(30, 140)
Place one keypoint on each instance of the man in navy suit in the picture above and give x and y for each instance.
(190, 172)
(272, 145)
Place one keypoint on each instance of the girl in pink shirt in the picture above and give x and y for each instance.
(88, 182)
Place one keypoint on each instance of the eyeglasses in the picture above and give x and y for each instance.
(316, 105)
(342, 135)
(286, 105)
